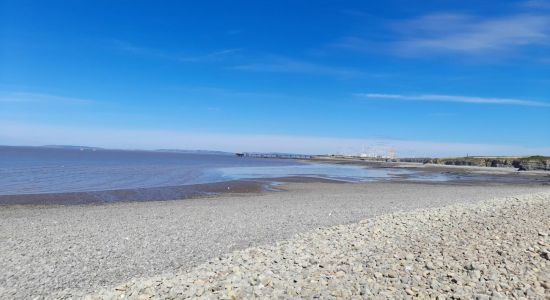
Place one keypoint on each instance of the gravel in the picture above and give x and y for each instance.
(492, 250)
(57, 251)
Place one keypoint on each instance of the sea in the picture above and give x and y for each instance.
(43, 170)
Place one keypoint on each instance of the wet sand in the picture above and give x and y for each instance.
(251, 186)
(422, 173)
(136, 195)
(84, 248)
(456, 174)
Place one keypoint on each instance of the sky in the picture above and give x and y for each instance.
(424, 78)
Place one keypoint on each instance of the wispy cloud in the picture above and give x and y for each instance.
(453, 33)
(453, 98)
(24, 97)
(472, 35)
(254, 62)
(278, 64)
(212, 56)
(226, 95)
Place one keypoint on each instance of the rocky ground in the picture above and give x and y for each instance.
(48, 250)
(489, 250)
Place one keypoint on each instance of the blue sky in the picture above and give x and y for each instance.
(424, 78)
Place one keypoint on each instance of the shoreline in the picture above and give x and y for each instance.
(429, 166)
(455, 175)
(165, 193)
(134, 194)
(494, 173)
(51, 249)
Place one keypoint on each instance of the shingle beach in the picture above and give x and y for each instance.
(311, 240)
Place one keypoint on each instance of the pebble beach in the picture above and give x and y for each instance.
(240, 150)
(308, 240)
(497, 249)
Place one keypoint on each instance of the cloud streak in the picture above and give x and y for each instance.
(26, 97)
(453, 33)
(210, 57)
(472, 35)
(266, 63)
(453, 98)
(278, 64)
(213, 56)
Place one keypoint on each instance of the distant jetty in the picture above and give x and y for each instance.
(274, 155)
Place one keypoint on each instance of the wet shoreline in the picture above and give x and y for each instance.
(69, 177)
(166, 193)
(134, 194)
(261, 185)
(454, 174)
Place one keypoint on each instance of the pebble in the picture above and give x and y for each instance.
(442, 253)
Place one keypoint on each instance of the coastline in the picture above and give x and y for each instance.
(492, 174)
(423, 173)
(164, 193)
(136, 194)
(82, 248)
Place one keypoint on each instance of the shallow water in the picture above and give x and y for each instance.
(326, 171)
(36, 170)
(27, 170)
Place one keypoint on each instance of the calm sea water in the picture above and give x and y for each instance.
(33, 170)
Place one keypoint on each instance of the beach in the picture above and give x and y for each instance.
(490, 250)
(60, 251)
(274, 150)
